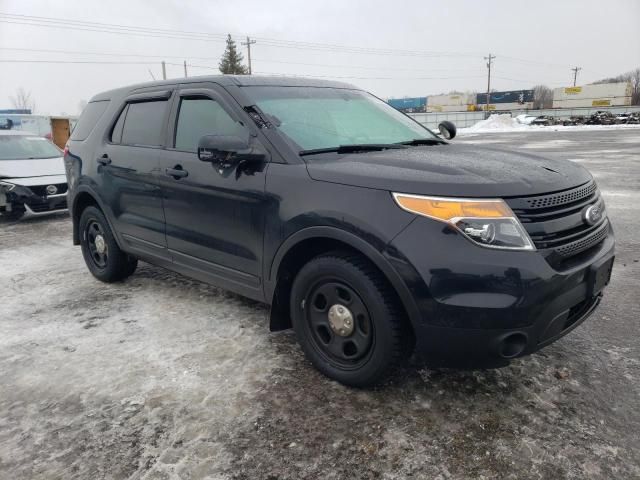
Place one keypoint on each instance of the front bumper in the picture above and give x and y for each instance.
(33, 200)
(481, 307)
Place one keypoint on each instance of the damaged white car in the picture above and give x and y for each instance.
(32, 176)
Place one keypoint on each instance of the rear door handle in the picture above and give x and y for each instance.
(176, 172)
(104, 160)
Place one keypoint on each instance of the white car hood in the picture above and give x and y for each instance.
(24, 171)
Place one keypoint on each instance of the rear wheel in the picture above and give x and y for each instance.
(347, 319)
(101, 253)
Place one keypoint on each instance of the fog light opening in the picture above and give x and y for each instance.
(513, 345)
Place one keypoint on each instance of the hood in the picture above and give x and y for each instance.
(38, 167)
(449, 170)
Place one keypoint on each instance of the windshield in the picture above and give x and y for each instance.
(17, 147)
(317, 118)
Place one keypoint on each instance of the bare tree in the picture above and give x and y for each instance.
(542, 97)
(23, 100)
(634, 78)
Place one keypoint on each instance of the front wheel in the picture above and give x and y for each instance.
(347, 319)
(101, 253)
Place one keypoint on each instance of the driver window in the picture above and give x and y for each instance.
(198, 117)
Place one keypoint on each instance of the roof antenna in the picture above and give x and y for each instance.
(151, 73)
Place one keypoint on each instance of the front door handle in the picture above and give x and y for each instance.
(104, 160)
(176, 172)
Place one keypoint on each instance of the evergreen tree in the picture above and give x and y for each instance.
(231, 62)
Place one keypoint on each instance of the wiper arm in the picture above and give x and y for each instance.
(424, 141)
(363, 147)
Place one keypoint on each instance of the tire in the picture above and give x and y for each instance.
(363, 351)
(103, 257)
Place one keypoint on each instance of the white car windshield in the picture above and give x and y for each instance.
(320, 117)
(23, 147)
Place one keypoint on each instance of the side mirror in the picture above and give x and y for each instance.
(228, 148)
(447, 129)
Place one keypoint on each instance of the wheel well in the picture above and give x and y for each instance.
(82, 201)
(293, 261)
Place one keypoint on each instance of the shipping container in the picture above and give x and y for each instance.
(409, 105)
(506, 106)
(451, 103)
(509, 100)
(601, 95)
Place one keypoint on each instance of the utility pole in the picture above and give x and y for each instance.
(489, 60)
(164, 71)
(185, 69)
(248, 43)
(575, 71)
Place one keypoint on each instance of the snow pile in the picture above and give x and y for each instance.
(497, 123)
(504, 123)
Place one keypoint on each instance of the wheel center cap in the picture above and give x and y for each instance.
(100, 245)
(341, 320)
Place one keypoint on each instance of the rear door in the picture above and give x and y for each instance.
(214, 219)
(130, 166)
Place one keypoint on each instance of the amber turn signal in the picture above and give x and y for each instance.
(450, 209)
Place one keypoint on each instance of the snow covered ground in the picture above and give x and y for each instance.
(161, 377)
(506, 124)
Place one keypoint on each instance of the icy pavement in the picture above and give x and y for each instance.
(162, 377)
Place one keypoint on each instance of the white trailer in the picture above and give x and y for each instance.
(451, 103)
(600, 95)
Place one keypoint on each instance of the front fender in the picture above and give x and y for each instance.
(375, 255)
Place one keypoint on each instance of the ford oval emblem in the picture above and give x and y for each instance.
(52, 189)
(592, 215)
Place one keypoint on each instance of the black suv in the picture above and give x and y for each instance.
(366, 232)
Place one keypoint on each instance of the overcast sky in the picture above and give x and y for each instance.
(441, 43)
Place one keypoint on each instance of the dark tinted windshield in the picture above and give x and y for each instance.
(329, 117)
(16, 147)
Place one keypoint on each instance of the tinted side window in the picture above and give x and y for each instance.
(144, 123)
(201, 116)
(116, 133)
(88, 119)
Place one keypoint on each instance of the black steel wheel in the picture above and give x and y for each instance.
(100, 250)
(97, 245)
(347, 319)
(339, 323)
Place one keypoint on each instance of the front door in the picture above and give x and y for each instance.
(214, 220)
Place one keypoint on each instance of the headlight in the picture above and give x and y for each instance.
(6, 186)
(489, 223)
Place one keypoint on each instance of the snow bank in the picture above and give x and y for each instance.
(504, 123)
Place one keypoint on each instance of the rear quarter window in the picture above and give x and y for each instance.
(87, 121)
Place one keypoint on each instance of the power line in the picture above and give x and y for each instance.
(205, 36)
(262, 60)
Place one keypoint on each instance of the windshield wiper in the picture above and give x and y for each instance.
(424, 141)
(364, 147)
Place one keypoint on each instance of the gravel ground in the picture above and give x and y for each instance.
(162, 377)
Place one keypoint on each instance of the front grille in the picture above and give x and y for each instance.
(41, 190)
(555, 221)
